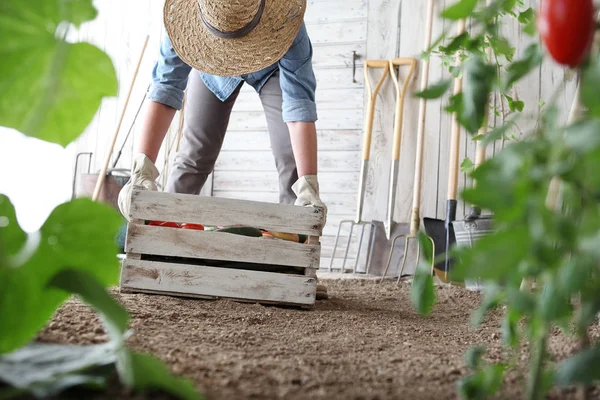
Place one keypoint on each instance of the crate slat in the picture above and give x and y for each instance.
(194, 280)
(162, 241)
(205, 210)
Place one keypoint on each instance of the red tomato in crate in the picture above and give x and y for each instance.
(567, 29)
(196, 227)
(164, 223)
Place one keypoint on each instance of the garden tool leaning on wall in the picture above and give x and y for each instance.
(415, 213)
(366, 152)
(475, 226)
(389, 227)
(441, 231)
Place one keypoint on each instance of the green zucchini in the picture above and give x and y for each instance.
(242, 230)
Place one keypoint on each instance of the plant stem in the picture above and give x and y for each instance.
(537, 362)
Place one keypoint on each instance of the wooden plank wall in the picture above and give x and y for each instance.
(374, 29)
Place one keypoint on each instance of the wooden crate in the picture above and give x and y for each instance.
(205, 264)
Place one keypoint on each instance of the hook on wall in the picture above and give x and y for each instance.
(354, 58)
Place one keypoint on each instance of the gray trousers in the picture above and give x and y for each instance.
(204, 127)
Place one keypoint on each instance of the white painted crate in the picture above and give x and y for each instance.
(191, 263)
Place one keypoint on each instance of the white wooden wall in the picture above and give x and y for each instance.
(374, 29)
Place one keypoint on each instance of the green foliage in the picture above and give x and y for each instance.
(51, 74)
(422, 294)
(78, 234)
(51, 89)
(553, 243)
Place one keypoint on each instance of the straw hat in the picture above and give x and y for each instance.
(232, 37)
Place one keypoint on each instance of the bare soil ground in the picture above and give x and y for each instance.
(364, 342)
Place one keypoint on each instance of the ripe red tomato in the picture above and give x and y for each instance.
(197, 227)
(567, 29)
(164, 223)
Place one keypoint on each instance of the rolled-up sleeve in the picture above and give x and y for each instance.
(169, 77)
(298, 82)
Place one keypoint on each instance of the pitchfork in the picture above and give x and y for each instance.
(415, 214)
(358, 221)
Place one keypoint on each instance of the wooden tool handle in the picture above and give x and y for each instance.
(102, 175)
(455, 138)
(383, 64)
(400, 97)
(421, 123)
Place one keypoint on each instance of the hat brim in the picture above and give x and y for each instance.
(263, 46)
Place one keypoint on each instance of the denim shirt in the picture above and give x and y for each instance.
(296, 77)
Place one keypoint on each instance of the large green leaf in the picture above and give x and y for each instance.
(479, 78)
(85, 285)
(50, 89)
(12, 237)
(77, 235)
(582, 368)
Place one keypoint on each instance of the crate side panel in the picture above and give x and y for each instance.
(213, 211)
(163, 241)
(218, 282)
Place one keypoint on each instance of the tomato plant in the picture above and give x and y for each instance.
(567, 29)
(552, 242)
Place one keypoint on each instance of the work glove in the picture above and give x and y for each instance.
(144, 174)
(307, 192)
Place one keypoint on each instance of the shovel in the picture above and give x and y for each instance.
(415, 214)
(442, 231)
(400, 96)
(366, 153)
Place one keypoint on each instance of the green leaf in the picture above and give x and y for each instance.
(47, 369)
(582, 368)
(12, 237)
(460, 10)
(422, 290)
(492, 299)
(82, 233)
(590, 86)
(526, 16)
(502, 47)
(482, 384)
(436, 90)
(84, 284)
(455, 104)
(51, 88)
(582, 136)
(147, 372)
(498, 132)
(532, 58)
(478, 80)
(554, 304)
(78, 235)
(514, 105)
(489, 259)
(466, 165)
(474, 355)
(510, 331)
(456, 44)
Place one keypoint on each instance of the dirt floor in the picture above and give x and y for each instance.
(364, 342)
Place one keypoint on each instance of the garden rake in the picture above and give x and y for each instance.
(415, 214)
(366, 152)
